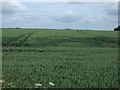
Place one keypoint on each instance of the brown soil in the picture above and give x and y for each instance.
(109, 44)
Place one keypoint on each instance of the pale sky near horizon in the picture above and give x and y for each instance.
(82, 15)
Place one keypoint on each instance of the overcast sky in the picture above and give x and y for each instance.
(80, 15)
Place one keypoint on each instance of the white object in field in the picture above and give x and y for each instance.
(52, 84)
(38, 85)
(1, 81)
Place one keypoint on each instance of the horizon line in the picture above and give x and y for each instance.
(54, 28)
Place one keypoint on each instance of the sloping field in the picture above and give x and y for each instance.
(67, 58)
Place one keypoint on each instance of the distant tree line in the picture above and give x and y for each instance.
(117, 28)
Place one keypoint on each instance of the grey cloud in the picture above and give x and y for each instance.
(27, 19)
(110, 8)
(67, 17)
(75, 3)
(12, 7)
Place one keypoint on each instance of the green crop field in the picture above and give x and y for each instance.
(67, 58)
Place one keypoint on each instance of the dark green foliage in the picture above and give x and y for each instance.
(117, 29)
